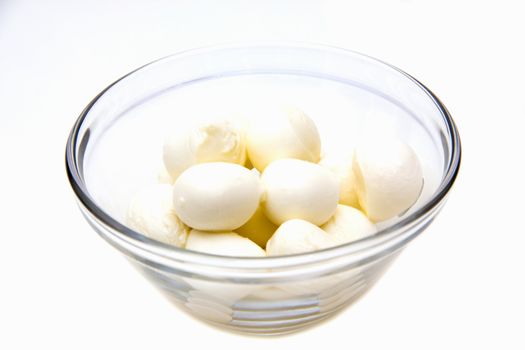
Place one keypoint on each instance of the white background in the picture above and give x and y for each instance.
(459, 285)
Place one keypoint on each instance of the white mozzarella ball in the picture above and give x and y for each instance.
(151, 213)
(223, 243)
(297, 236)
(211, 141)
(348, 224)
(282, 132)
(389, 178)
(341, 164)
(295, 189)
(216, 196)
(221, 295)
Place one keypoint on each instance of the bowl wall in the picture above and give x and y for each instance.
(115, 148)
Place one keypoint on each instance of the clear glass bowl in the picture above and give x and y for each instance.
(115, 148)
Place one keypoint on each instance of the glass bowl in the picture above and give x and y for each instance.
(115, 148)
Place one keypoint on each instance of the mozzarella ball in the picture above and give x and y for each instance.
(219, 294)
(341, 164)
(216, 196)
(282, 132)
(295, 189)
(348, 224)
(389, 178)
(211, 141)
(223, 243)
(297, 236)
(258, 228)
(151, 213)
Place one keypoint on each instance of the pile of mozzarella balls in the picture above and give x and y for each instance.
(264, 189)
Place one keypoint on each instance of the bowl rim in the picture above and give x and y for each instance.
(127, 236)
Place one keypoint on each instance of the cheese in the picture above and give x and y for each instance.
(279, 132)
(348, 224)
(223, 243)
(210, 141)
(389, 178)
(151, 213)
(216, 196)
(297, 236)
(296, 189)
